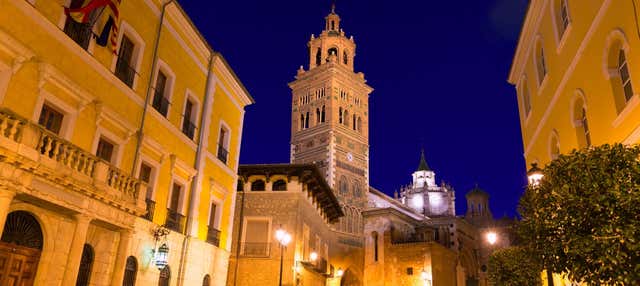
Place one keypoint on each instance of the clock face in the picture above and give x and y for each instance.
(350, 157)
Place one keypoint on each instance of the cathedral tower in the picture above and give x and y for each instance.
(330, 119)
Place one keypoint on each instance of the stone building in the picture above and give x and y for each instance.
(294, 198)
(103, 140)
(576, 78)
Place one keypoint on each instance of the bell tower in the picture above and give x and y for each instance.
(330, 119)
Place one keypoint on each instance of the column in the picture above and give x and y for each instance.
(121, 258)
(75, 251)
(6, 196)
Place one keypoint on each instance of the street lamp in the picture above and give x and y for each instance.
(491, 237)
(313, 256)
(426, 277)
(339, 272)
(283, 238)
(534, 175)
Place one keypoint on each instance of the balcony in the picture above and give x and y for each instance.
(223, 154)
(188, 128)
(151, 206)
(410, 239)
(213, 236)
(160, 103)
(175, 221)
(30, 147)
(256, 249)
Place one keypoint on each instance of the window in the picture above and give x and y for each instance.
(280, 185)
(160, 101)
(623, 69)
(345, 58)
(319, 57)
(340, 117)
(344, 188)
(206, 281)
(346, 118)
(301, 121)
(526, 97)
(318, 118)
(175, 220)
(213, 234)
(579, 116)
(130, 272)
(81, 32)
(50, 119)
(240, 186)
(257, 185)
(410, 271)
(188, 119)
(333, 52)
(541, 64)
(585, 127)
(359, 123)
(86, 264)
(105, 150)
(145, 175)
(223, 144)
(554, 146)
(355, 122)
(306, 121)
(356, 191)
(564, 15)
(256, 238)
(322, 118)
(375, 246)
(124, 68)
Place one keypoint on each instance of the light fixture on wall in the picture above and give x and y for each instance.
(339, 272)
(313, 256)
(534, 175)
(161, 254)
(283, 238)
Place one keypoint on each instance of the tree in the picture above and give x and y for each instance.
(583, 218)
(513, 266)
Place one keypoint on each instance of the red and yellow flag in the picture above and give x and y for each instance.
(111, 7)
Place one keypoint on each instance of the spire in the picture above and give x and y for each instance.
(423, 163)
(333, 20)
(333, 7)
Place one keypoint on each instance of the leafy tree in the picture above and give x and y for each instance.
(583, 218)
(513, 266)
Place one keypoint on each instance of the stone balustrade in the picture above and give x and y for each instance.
(105, 180)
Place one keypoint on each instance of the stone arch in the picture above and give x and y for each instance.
(350, 278)
(554, 144)
(578, 119)
(616, 51)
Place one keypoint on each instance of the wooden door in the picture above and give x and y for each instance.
(18, 265)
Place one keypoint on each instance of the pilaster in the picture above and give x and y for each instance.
(75, 251)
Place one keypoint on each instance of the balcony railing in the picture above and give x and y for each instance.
(213, 236)
(151, 207)
(175, 221)
(160, 103)
(410, 239)
(223, 154)
(188, 128)
(34, 142)
(256, 249)
(125, 72)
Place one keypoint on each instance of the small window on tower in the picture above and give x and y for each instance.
(318, 57)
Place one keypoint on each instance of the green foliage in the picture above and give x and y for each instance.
(584, 217)
(513, 266)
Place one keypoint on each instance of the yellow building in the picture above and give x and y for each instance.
(576, 76)
(102, 145)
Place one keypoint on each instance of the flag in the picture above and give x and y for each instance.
(83, 14)
(111, 7)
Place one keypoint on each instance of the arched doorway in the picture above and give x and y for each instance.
(165, 276)
(130, 272)
(86, 266)
(20, 248)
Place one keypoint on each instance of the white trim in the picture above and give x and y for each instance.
(567, 74)
(578, 95)
(615, 35)
(190, 95)
(118, 144)
(227, 140)
(115, 119)
(628, 108)
(553, 135)
(560, 36)
(184, 186)
(70, 114)
(153, 177)
(178, 165)
(219, 206)
(138, 50)
(222, 166)
(168, 89)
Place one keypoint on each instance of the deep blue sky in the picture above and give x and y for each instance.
(438, 68)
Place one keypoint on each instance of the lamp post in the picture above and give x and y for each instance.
(534, 175)
(283, 238)
(491, 237)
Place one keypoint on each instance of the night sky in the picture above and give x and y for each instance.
(438, 68)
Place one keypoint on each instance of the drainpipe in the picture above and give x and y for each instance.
(136, 158)
(635, 16)
(196, 183)
(240, 227)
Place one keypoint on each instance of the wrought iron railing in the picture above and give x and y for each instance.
(410, 239)
(151, 207)
(125, 72)
(213, 236)
(188, 128)
(160, 103)
(223, 154)
(256, 249)
(175, 221)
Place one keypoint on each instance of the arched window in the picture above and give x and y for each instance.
(623, 70)
(541, 64)
(346, 118)
(318, 57)
(525, 96)
(585, 127)
(301, 121)
(359, 123)
(22, 229)
(322, 115)
(355, 122)
(340, 119)
(374, 237)
(86, 263)
(306, 120)
(554, 145)
(130, 272)
(279, 185)
(165, 276)
(356, 190)
(580, 121)
(257, 185)
(564, 15)
(318, 118)
(206, 281)
(240, 186)
(345, 57)
(344, 187)
(333, 52)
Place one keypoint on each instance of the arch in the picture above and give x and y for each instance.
(359, 123)
(301, 121)
(322, 118)
(561, 17)
(340, 115)
(540, 60)
(333, 51)
(345, 57)
(86, 265)
(130, 271)
(318, 117)
(554, 145)
(343, 185)
(525, 96)
(355, 122)
(357, 192)
(21, 228)
(279, 185)
(617, 68)
(206, 281)
(579, 119)
(258, 185)
(165, 276)
(306, 120)
(346, 117)
(319, 57)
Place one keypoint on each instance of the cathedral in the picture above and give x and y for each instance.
(344, 231)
